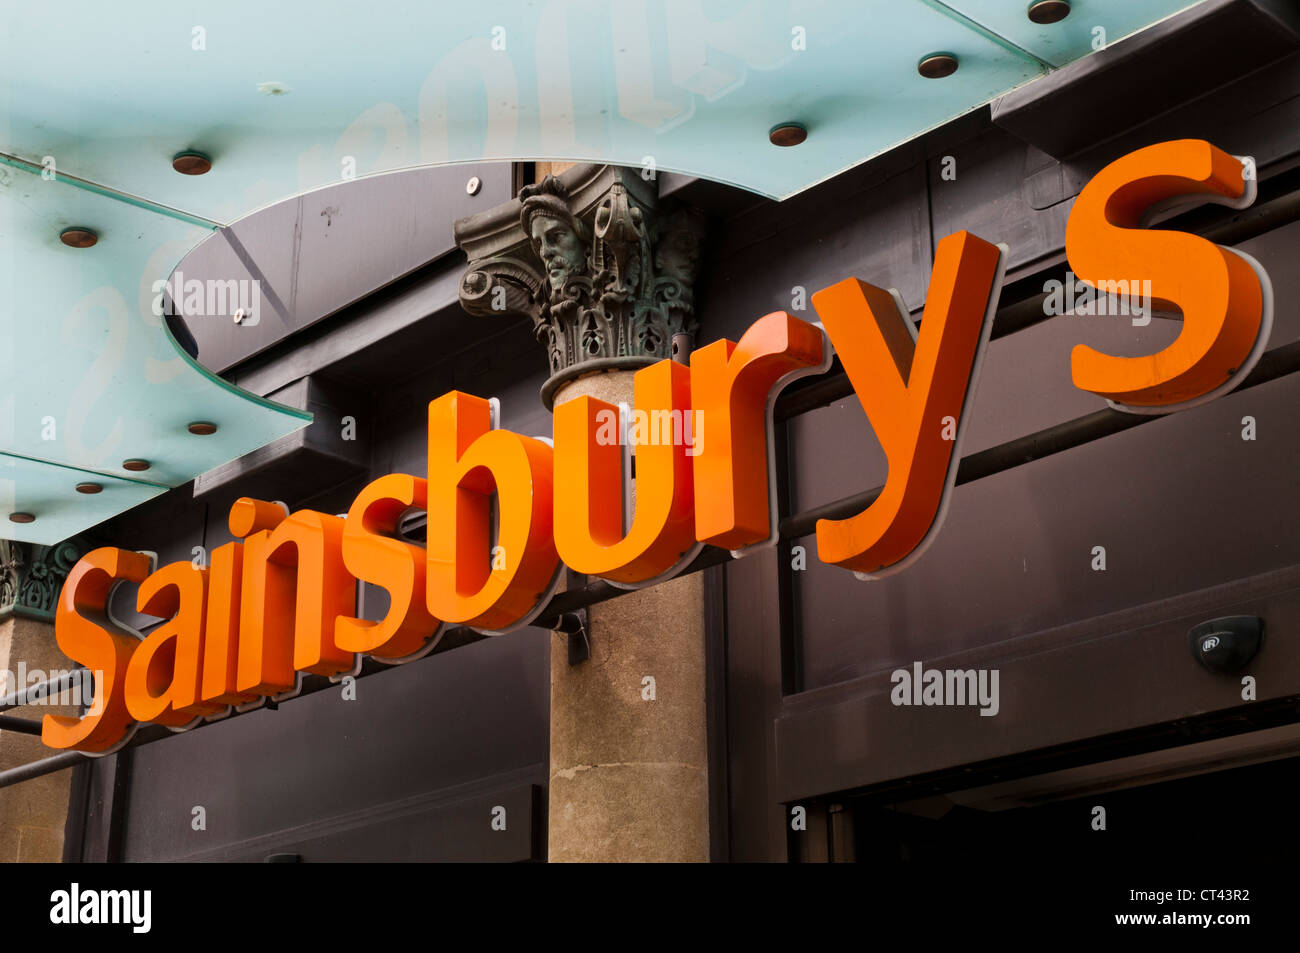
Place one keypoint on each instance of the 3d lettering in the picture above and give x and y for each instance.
(908, 384)
(1217, 290)
(503, 510)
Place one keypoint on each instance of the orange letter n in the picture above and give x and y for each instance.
(295, 585)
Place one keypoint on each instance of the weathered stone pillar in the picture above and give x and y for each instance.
(606, 275)
(629, 774)
(33, 814)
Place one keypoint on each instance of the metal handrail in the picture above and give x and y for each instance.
(26, 726)
(42, 690)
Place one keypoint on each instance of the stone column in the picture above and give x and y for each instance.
(606, 275)
(33, 814)
(629, 773)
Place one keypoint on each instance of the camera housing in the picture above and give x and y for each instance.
(1227, 644)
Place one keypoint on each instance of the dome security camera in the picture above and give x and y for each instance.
(1226, 645)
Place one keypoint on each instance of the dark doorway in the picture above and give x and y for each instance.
(1225, 821)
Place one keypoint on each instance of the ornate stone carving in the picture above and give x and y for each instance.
(605, 273)
(31, 577)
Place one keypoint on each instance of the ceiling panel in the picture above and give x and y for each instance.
(96, 100)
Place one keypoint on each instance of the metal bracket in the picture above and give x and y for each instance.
(574, 625)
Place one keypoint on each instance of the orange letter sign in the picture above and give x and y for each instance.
(589, 467)
(295, 585)
(162, 680)
(86, 634)
(908, 386)
(373, 556)
(470, 579)
(730, 384)
(1218, 291)
(220, 673)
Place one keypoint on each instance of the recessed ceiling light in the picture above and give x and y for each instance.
(273, 88)
(89, 488)
(191, 163)
(937, 65)
(21, 518)
(78, 237)
(135, 465)
(1049, 11)
(202, 428)
(787, 134)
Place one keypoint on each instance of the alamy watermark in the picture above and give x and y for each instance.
(653, 428)
(73, 687)
(933, 686)
(240, 298)
(1127, 297)
(133, 908)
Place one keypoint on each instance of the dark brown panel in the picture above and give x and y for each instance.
(1103, 675)
(878, 230)
(439, 728)
(318, 252)
(753, 700)
(1180, 503)
(442, 830)
(1170, 64)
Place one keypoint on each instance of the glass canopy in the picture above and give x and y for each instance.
(97, 99)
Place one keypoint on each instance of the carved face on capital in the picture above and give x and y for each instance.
(678, 255)
(560, 248)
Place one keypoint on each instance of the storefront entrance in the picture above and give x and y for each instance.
(1173, 811)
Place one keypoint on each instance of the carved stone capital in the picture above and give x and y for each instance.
(31, 577)
(602, 269)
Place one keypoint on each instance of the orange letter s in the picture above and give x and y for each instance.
(86, 634)
(1222, 293)
(373, 555)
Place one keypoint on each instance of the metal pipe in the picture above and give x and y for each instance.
(42, 690)
(24, 726)
(36, 769)
(146, 734)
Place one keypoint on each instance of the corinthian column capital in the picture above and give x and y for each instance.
(604, 271)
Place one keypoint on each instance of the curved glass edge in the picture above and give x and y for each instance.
(50, 284)
(47, 491)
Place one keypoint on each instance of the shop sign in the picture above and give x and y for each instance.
(281, 599)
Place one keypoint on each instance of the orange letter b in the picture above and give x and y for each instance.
(472, 578)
